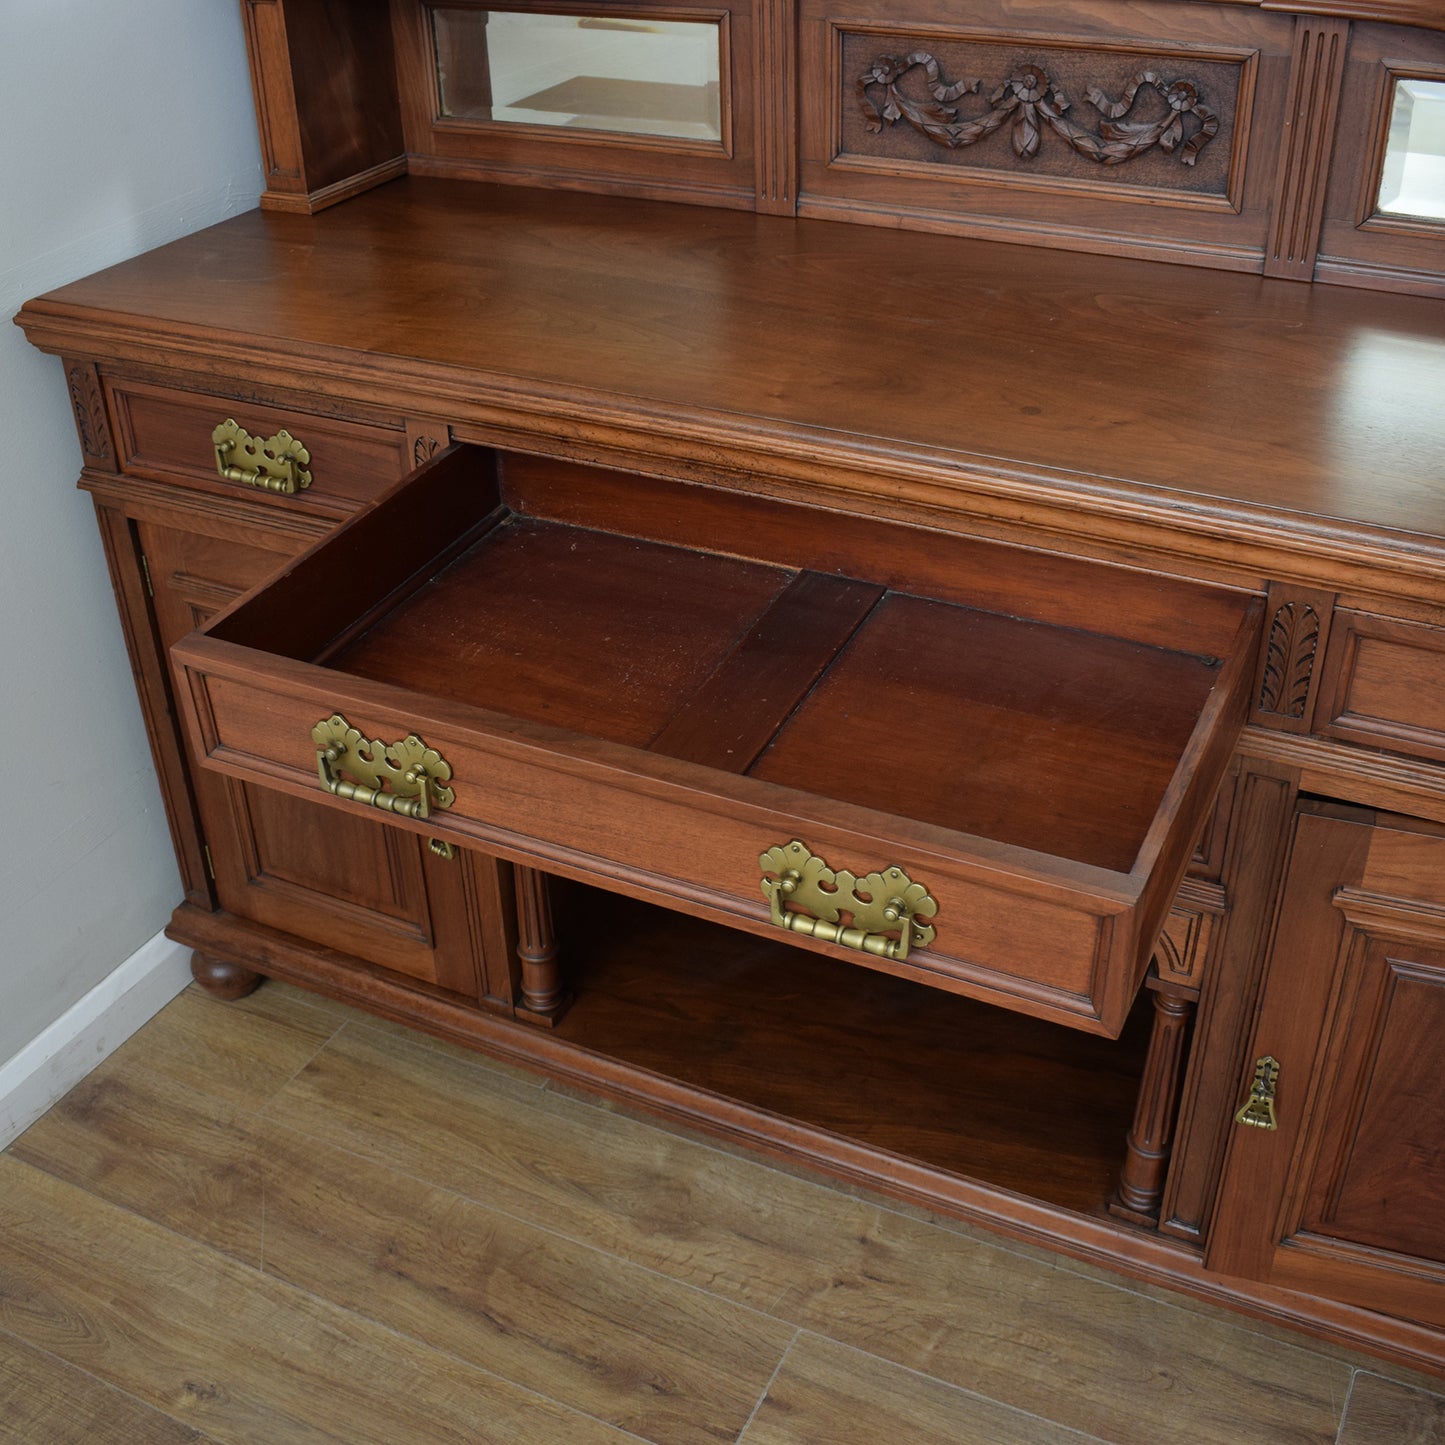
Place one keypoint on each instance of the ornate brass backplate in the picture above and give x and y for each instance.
(277, 464)
(404, 777)
(883, 909)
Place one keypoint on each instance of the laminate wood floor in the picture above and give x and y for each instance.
(281, 1220)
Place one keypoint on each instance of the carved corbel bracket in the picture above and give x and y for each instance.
(1297, 625)
(92, 424)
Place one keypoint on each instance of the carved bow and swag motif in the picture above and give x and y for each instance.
(1029, 102)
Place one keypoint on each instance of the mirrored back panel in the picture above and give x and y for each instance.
(1412, 178)
(635, 75)
(1303, 139)
(652, 99)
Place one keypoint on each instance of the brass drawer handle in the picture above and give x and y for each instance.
(275, 465)
(1257, 1111)
(876, 905)
(404, 778)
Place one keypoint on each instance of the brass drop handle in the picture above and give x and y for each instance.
(404, 778)
(876, 905)
(277, 464)
(1257, 1111)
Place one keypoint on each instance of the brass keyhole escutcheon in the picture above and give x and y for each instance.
(1257, 1111)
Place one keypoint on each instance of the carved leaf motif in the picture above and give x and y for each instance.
(424, 450)
(89, 408)
(1137, 131)
(1289, 659)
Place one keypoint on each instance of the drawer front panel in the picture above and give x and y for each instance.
(167, 434)
(1015, 941)
(1385, 685)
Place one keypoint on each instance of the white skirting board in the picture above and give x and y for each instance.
(89, 1031)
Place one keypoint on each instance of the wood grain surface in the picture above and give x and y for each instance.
(42, 1398)
(192, 1333)
(298, 1225)
(825, 1391)
(455, 1253)
(1082, 371)
(1385, 1411)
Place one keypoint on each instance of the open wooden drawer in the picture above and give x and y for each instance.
(663, 688)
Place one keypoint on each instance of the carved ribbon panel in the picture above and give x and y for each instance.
(1043, 112)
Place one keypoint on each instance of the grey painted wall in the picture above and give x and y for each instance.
(122, 126)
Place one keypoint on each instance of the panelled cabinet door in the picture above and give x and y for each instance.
(1345, 1196)
(374, 892)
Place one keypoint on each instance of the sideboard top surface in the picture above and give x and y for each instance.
(1085, 373)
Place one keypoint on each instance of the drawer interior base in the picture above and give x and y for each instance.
(1037, 735)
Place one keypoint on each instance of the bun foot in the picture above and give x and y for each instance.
(221, 979)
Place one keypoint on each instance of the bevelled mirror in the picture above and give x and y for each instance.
(1412, 179)
(633, 75)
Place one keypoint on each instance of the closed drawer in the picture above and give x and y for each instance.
(167, 434)
(663, 688)
(1384, 685)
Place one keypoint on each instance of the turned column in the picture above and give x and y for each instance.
(1151, 1136)
(543, 1000)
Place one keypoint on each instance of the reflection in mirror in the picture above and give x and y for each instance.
(586, 72)
(1412, 182)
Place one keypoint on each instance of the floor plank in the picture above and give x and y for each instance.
(673, 1364)
(976, 1316)
(242, 1055)
(703, 1217)
(1101, 1359)
(44, 1401)
(242, 1357)
(621, 1342)
(616, 1340)
(827, 1392)
(134, 1137)
(280, 1221)
(1382, 1412)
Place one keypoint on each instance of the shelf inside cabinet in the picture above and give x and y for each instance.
(966, 1088)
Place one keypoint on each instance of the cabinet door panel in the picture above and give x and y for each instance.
(1343, 1199)
(363, 879)
(343, 881)
(1379, 1180)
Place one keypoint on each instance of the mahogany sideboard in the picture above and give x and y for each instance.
(902, 623)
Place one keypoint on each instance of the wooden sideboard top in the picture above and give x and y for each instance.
(928, 370)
